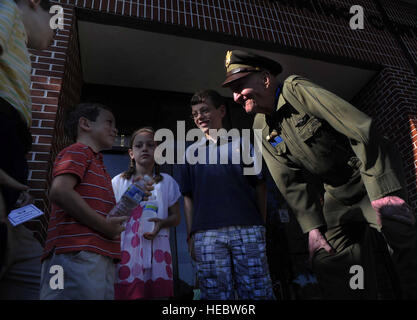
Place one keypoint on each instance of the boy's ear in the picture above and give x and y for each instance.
(84, 123)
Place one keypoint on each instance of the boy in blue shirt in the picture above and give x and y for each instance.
(225, 211)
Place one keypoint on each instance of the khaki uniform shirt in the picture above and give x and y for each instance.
(327, 143)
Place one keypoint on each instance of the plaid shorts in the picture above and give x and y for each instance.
(233, 258)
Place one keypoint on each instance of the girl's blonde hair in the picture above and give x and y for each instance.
(132, 166)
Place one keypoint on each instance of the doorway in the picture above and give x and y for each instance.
(148, 78)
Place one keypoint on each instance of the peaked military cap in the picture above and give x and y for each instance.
(240, 63)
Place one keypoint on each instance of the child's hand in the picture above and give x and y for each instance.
(191, 247)
(149, 187)
(156, 229)
(114, 226)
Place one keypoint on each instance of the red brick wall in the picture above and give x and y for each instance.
(408, 16)
(285, 25)
(56, 86)
(391, 99)
(284, 22)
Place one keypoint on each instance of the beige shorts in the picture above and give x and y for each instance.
(86, 276)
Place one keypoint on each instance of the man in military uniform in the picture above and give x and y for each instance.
(311, 136)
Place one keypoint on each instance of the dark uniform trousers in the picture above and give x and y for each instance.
(326, 142)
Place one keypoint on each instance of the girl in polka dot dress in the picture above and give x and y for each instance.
(145, 269)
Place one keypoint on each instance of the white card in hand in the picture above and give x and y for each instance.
(24, 214)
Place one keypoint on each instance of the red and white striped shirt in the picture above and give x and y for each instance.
(65, 233)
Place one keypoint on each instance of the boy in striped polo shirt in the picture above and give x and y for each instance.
(81, 239)
(23, 24)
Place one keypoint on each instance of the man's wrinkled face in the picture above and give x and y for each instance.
(252, 92)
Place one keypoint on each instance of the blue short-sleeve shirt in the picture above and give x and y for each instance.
(222, 195)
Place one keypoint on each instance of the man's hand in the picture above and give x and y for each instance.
(9, 182)
(114, 226)
(393, 208)
(316, 241)
(24, 199)
(156, 229)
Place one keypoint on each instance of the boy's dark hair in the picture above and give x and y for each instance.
(89, 110)
(202, 95)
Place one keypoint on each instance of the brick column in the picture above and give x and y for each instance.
(391, 99)
(56, 85)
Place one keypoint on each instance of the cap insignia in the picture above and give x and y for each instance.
(228, 58)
